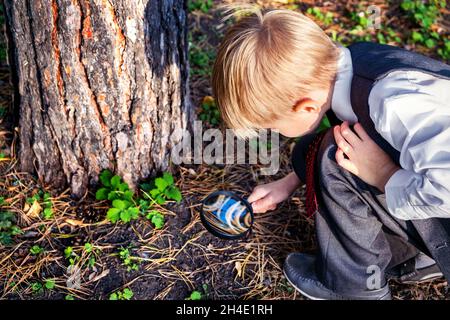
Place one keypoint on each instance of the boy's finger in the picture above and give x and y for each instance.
(257, 207)
(361, 132)
(257, 193)
(262, 205)
(349, 135)
(340, 141)
(344, 163)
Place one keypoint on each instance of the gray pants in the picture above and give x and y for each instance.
(356, 235)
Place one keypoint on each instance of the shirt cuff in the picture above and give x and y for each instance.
(397, 197)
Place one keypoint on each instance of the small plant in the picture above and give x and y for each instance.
(425, 15)
(70, 255)
(162, 189)
(36, 250)
(122, 210)
(209, 111)
(197, 295)
(156, 218)
(8, 229)
(200, 59)
(87, 254)
(49, 284)
(127, 260)
(202, 5)
(126, 207)
(113, 188)
(38, 287)
(126, 294)
(317, 13)
(48, 210)
(89, 250)
(123, 203)
(44, 199)
(444, 52)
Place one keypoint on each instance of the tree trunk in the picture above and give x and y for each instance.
(101, 84)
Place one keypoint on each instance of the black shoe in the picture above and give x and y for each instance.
(407, 273)
(299, 269)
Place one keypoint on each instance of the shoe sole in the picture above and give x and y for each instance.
(428, 278)
(302, 292)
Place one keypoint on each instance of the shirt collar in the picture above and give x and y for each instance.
(340, 102)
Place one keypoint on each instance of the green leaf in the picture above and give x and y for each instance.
(36, 287)
(416, 36)
(169, 178)
(134, 212)
(69, 297)
(128, 195)
(161, 184)
(125, 216)
(113, 215)
(154, 193)
(105, 178)
(430, 43)
(5, 238)
(88, 247)
(144, 205)
(102, 194)
(68, 252)
(50, 284)
(173, 193)
(123, 187)
(158, 220)
(120, 204)
(195, 295)
(113, 195)
(148, 186)
(127, 294)
(15, 230)
(91, 262)
(113, 296)
(36, 250)
(5, 224)
(160, 200)
(48, 213)
(115, 181)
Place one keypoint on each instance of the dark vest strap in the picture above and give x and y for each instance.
(334, 120)
(359, 98)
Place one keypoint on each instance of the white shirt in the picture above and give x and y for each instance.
(411, 111)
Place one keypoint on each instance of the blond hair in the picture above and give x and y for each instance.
(266, 62)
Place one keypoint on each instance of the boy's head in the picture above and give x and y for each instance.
(274, 69)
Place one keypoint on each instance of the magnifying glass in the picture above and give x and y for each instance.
(227, 215)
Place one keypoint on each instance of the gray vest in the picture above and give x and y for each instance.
(371, 62)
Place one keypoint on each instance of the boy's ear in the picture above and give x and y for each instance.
(306, 105)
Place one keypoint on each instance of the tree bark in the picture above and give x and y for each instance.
(102, 84)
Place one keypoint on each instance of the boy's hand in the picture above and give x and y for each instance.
(365, 158)
(266, 196)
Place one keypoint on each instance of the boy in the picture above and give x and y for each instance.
(379, 179)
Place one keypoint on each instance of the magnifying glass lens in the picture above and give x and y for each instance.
(226, 215)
